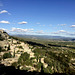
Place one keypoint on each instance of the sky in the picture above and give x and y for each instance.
(38, 17)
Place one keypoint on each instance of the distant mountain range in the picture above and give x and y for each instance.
(45, 37)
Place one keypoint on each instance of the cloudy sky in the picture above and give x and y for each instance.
(38, 17)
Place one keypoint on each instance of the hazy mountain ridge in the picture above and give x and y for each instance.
(45, 37)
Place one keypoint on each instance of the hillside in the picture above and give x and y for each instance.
(48, 56)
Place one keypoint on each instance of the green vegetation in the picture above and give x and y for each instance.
(7, 55)
(57, 54)
(14, 64)
(9, 47)
(20, 47)
(24, 59)
(0, 59)
(1, 49)
(1, 38)
(38, 66)
(14, 53)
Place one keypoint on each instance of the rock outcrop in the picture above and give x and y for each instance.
(3, 35)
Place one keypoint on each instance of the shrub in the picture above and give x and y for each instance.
(14, 64)
(24, 57)
(18, 42)
(1, 38)
(20, 47)
(9, 47)
(46, 70)
(46, 60)
(28, 62)
(7, 55)
(0, 58)
(1, 49)
(38, 66)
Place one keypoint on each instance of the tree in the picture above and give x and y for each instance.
(24, 57)
(1, 49)
(14, 64)
(1, 38)
(38, 66)
(7, 55)
(9, 47)
(14, 53)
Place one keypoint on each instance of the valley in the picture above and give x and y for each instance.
(51, 56)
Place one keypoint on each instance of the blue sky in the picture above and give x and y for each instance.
(38, 17)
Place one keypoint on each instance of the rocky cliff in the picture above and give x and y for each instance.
(3, 35)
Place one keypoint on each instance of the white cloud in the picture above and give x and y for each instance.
(72, 25)
(54, 33)
(31, 31)
(40, 32)
(41, 25)
(70, 33)
(21, 30)
(4, 11)
(5, 30)
(62, 24)
(73, 34)
(50, 25)
(23, 22)
(60, 31)
(64, 32)
(7, 22)
(18, 30)
(37, 23)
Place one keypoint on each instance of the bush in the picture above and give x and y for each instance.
(1, 49)
(7, 55)
(1, 38)
(38, 66)
(18, 42)
(9, 47)
(28, 63)
(46, 70)
(0, 58)
(20, 47)
(24, 57)
(14, 64)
